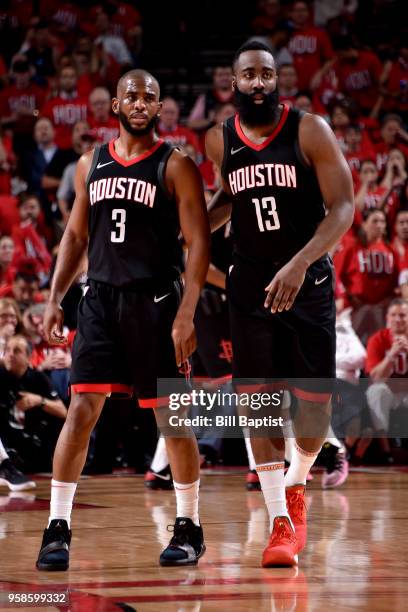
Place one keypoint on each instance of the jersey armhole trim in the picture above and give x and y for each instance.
(162, 170)
(95, 160)
(298, 151)
(225, 150)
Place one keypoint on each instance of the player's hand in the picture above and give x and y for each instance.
(284, 287)
(184, 338)
(53, 322)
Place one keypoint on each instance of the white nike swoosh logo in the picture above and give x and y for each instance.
(319, 282)
(156, 299)
(162, 477)
(102, 165)
(233, 151)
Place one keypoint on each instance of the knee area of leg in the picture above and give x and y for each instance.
(82, 415)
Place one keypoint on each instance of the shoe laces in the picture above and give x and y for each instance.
(282, 531)
(296, 501)
(180, 534)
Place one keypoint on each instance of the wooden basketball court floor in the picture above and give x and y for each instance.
(356, 559)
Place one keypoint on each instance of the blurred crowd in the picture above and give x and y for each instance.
(59, 65)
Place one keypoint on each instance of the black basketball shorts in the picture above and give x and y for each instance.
(123, 342)
(297, 346)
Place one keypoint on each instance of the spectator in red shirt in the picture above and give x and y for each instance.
(202, 113)
(6, 257)
(400, 242)
(387, 361)
(170, 129)
(356, 149)
(29, 241)
(288, 84)
(24, 289)
(55, 361)
(7, 163)
(310, 47)
(394, 83)
(370, 194)
(20, 102)
(367, 273)
(358, 73)
(393, 136)
(67, 108)
(101, 120)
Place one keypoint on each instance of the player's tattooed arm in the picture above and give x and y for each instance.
(320, 149)
(184, 182)
(71, 253)
(220, 207)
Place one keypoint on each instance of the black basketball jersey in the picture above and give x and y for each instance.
(276, 200)
(133, 221)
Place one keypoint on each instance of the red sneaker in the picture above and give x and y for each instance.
(295, 501)
(282, 546)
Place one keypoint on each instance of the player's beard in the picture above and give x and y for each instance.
(257, 114)
(137, 131)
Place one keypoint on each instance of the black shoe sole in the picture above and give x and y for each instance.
(51, 567)
(156, 486)
(184, 562)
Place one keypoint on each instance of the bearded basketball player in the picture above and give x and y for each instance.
(288, 191)
(135, 321)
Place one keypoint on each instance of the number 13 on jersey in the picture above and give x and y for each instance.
(119, 216)
(266, 205)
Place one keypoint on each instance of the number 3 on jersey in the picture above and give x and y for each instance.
(119, 216)
(267, 204)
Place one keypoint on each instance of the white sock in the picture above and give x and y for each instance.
(62, 496)
(331, 438)
(288, 449)
(187, 500)
(251, 458)
(3, 453)
(300, 466)
(160, 459)
(271, 477)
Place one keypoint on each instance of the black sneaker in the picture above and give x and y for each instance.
(186, 546)
(54, 553)
(159, 480)
(13, 478)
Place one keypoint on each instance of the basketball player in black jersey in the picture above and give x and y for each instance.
(288, 191)
(135, 322)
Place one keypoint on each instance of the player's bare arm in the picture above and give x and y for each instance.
(184, 182)
(320, 149)
(71, 252)
(220, 207)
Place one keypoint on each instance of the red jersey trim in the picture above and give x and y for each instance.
(319, 398)
(129, 162)
(262, 145)
(154, 402)
(102, 388)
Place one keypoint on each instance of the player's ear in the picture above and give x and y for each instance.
(115, 106)
(234, 83)
(160, 105)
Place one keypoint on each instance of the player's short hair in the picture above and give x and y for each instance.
(253, 45)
